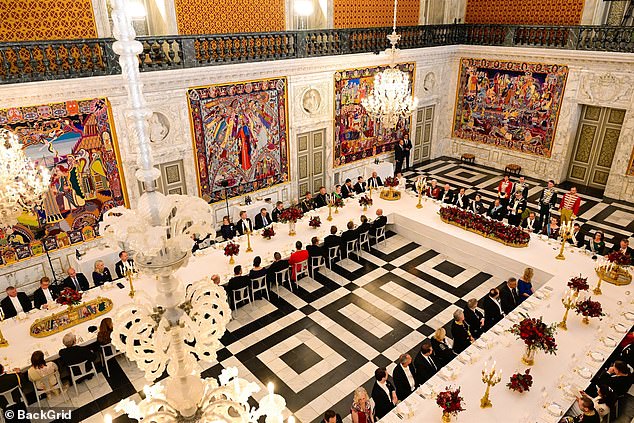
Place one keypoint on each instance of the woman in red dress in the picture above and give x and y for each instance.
(361, 410)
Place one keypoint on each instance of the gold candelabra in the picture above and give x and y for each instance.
(130, 276)
(569, 302)
(3, 341)
(565, 231)
(420, 197)
(370, 192)
(491, 378)
(249, 249)
(329, 211)
(599, 268)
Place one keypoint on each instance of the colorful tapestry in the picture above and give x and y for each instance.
(240, 136)
(76, 141)
(509, 104)
(357, 135)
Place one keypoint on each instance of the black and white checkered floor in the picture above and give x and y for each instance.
(322, 341)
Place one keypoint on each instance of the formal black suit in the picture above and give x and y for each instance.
(407, 147)
(515, 209)
(461, 201)
(492, 312)
(9, 381)
(101, 278)
(82, 282)
(533, 225)
(243, 225)
(276, 266)
(349, 235)
(424, 369)
(77, 354)
(236, 282)
(448, 197)
(497, 213)
(347, 191)
(364, 227)
(382, 401)
(508, 299)
(9, 309)
(442, 353)
(399, 156)
(119, 268)
(578, 239)
(473, 317)
(39, 299)
(477, 207)
(619, 384)
(261, 222)
(379, 222)
(359, 187)
(375, 182)
(460, 335)
(308, 205)
(401, 383)
(331, 241)
(321, 200)
(315, 251)
(228, 231)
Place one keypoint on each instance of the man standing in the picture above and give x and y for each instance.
(399, 155)
(404, 377)
(547, 200)
(15, 302)
(492, 309)
(522, 186)
(509, 298)
(407, 148)
(359, 187)
(76, 281)
(569, 206)
(505, 188)
(516, 208)
(262, 219)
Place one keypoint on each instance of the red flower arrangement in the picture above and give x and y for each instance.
(314, 222)
(68, 296)
(589, 308)
(390, 182)
(521, 382)
(291, 214)
(232, 249)
(338, 202)
(268, 232)
(536, 334)
(619, 258)
(365, 201)
(450, 401)
(578, 283)
(484, 226)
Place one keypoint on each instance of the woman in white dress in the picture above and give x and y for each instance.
(43, 374)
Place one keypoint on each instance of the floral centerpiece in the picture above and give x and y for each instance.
(614, 268)
(69, 297)
(291, 215)
(588, 308)
(537, 335)
(365, 201)
(390, 194)
(232, 249)
(268, 232)
(521, 382)
(618, 258)
(337, 203)
(489, 228)
(390, 182)
(578, 283)
(450, 402)
(314, 222)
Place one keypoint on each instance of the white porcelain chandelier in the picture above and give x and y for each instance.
(186, 319)
(391, 97)
(21, 182)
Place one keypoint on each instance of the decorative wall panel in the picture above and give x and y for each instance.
(357, 135)
(377, 13)
(229, 16)
(526, 12)
(29, 20)
(240, 136)
(630, 168)
(514, 105)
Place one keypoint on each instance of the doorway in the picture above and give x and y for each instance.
(424, 129)
(311, 156)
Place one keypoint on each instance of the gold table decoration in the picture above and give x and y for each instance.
(329, 212)
(420, 187)
(129, 275)
(390, 194)
(565, 232)
(69, 317)
(491, 378)
(569, 302)
(249, 249)
(613, 273)
(3, 340)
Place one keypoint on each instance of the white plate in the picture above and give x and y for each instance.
(609, 342)
(598, 357)
(629, 316)
(585, 373)
(620, 328)
(554, 409)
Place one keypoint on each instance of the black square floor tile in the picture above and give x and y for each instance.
(449, 268)
(301, 358)
(389, 267)
(308, 309)
(381, 361)
(465, 175)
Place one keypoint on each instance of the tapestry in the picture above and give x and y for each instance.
(76, 141)
(366, 14)
(509, 104)
(240, 135)
(527, 12)
(357, 135)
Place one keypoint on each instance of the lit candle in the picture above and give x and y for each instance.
(107, 418)
(270, 386)
(291, 419)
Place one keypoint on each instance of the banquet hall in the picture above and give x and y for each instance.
(317, 211)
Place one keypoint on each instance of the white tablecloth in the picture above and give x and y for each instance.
(86, 264)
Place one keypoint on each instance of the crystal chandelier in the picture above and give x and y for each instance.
(391, 97)
(186, 319)
(21, 182)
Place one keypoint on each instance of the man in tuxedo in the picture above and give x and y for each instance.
(404, 377)
(624, 247)
(262, 219)
(322, 198)
(407, 148)
(447, 196)
(379, 222)
(364, 226)
(298, 256)
(424, 363)
(333, 239)
(314, 250)
(244, 224)
(531, 224)
(434, 191)
(238, 281)
(496, 211)
(331, 417)
(10, 381)
(124, 264)
(474, 318)
(515, 209)
(383, 394)
(509, 297)
(45, 294)
(375, 181)
(277, 265)
(577, 237)
(493, 312)
(308, 203)
(75, 354)
(76, 281)
(399, 155)
(14, 303)
(359, 187)
(349, 235)
(618, 378)
(461, 200)
(347, 190)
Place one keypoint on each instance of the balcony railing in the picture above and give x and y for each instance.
(63, 59)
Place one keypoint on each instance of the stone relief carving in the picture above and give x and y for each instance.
(159, 127)
(429, 83)
(311, 101)
(607, 88)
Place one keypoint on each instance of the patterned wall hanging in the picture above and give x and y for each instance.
(76, 140)
(527, 12)
(358, 136)
(240, 135)
(514, 105)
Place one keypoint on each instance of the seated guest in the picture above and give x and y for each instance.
(9, 381)
(277, 265)
(43, 374)
(298, 256)
(75, 354)
(531, 224)
(461, 200)
(588, 412)
(262, 219)
(45, 294)
(227, 230)
(404, 376)
(331, 417)
(552, 228)
(383, 394)
(124, 265)
(349, 235)
(314, 250)
(361, 410)
(104, 335)
(364, 226)
(516, 208)
(525, 284)
(425, 365)
(347, 190)
(338, 192)
(379, 222)
(375, 181)
(101, 274)
(14, 303)
(359, 187)
(257, 271)
(434, 191)
(460, 332)
(238, 281)
(448, 195)
(332, 240)
(308, 203)
(322, 198)
(474, 318)
(275, 214)
(244, 224)
(623, 246)
(199, 242)
(76, 281)
(442, 351)
(402, 181)
(618, 378)
(577, 237)
(496, 211)
(596, 244)
(509, 297)
(604, 402)
(492, 309)
(477, 206)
